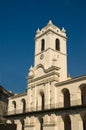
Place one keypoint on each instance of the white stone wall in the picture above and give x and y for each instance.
(52, 96)
(46, 87)
(51, 121)
(50, 54)
(53, 99)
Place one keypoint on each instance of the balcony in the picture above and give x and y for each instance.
(74, 103)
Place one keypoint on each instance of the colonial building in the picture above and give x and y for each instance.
(52, 100)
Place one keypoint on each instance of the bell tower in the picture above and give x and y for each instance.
(50, 49)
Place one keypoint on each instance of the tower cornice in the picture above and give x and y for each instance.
(43, 32)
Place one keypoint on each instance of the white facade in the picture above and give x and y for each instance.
(51, 56)
(52, 100)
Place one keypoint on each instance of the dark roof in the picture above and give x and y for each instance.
(3, 90)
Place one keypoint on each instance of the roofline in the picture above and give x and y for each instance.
(71, 80)
(5, 91)
(18, 95)
(48, 30)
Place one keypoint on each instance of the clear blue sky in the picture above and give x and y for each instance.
(19, 20)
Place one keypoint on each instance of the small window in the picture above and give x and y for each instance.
(42, 100)
(83, 93)
(66, 96)
(14, 105)
(42, 45)
(24, 105)
(57, 45)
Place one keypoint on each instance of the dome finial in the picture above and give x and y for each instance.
(50, 22)
(38, 30)
(63, 30)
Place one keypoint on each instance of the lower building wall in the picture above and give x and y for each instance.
(52, 122)
(50, 127)
(27, 127)
(37, 127)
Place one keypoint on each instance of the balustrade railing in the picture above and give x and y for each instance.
(46, 107)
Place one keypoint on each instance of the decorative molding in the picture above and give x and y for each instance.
(47, 70)
(52, 50)
(50, 71)
(44, 79)
(71, 81)
(18, 95)
(52, 30)
(49, 124)
(29, 125)
(36, 84)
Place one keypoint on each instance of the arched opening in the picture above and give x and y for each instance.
(42, 100)
(42, 45)
(22, 124)
(83, 94)
(24, 105)
(14, 104)
(41, 123)
(66, 97)
(84, 124)
(83, 116)
(57, 45)
(67, 122)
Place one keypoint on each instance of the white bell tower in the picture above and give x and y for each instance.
(50, 49)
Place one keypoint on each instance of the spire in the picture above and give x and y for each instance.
(50, 22)
(63, 30)
(38, 30)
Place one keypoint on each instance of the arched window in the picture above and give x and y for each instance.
(41, 123)
(22, 124)
(83, 93)
(14, 104)
(67, 122)
(84, 124)
(57, 45)
(42, 45)
(42, 100)
(24, 105)
(66, 96)
(83, 116)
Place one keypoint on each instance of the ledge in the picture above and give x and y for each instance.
(53, 110)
